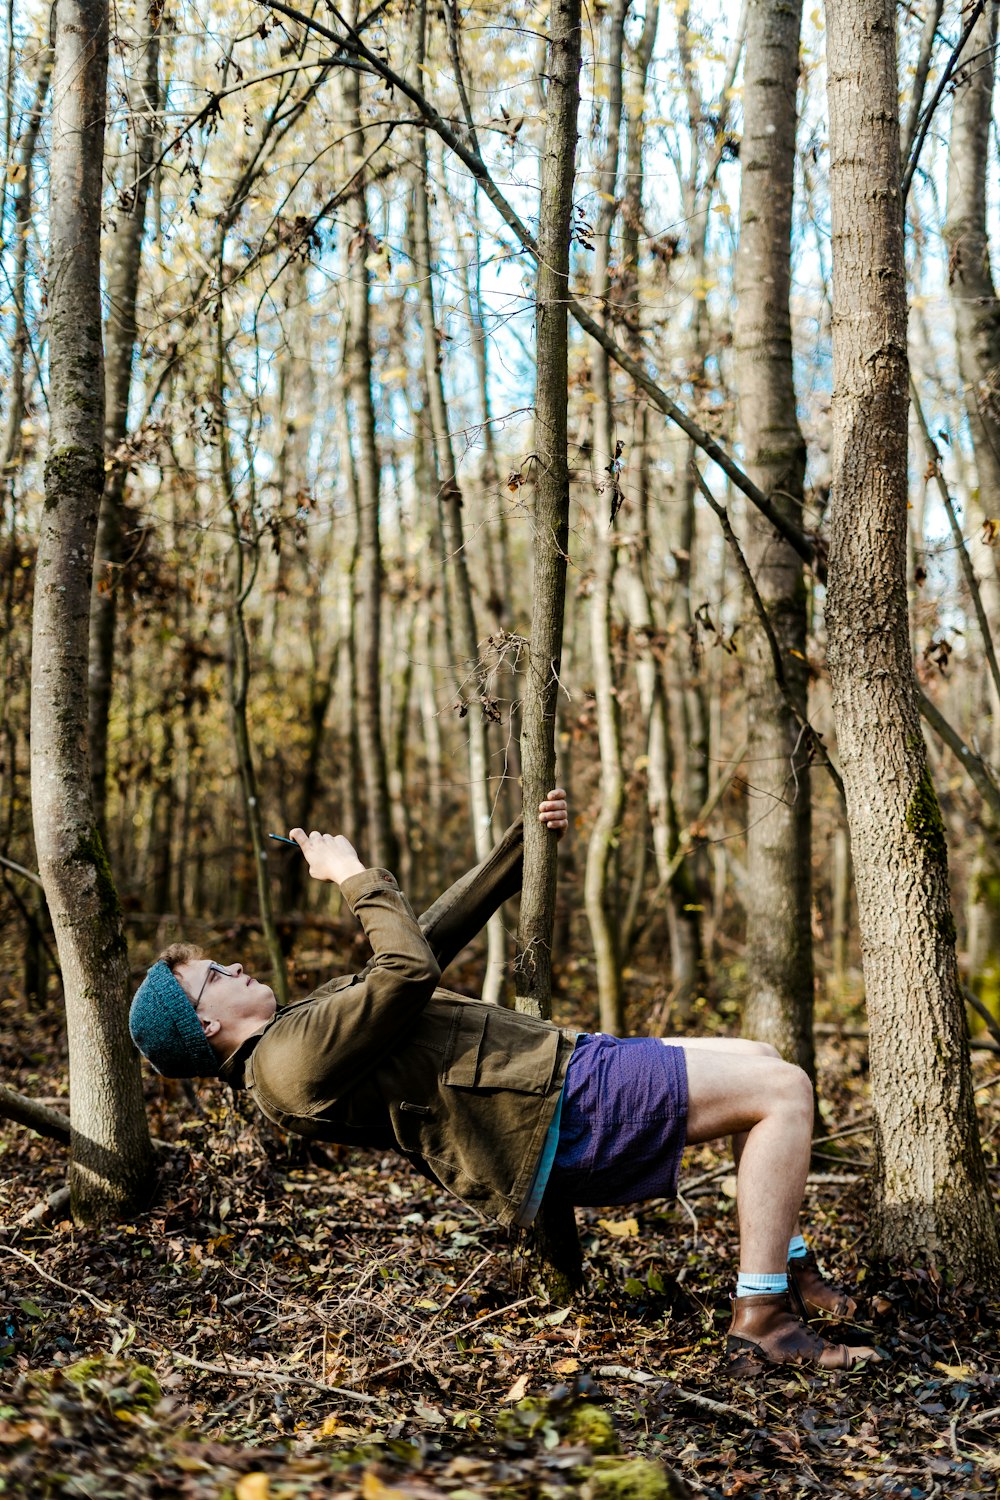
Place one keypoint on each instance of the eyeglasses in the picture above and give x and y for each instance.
(213, 968)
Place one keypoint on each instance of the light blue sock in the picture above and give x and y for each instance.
(761, 1283)
(797, 1248)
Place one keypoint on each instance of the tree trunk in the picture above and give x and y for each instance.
(110, 1174)
(238, 664)
(557, 1241)
(602, 918)
(464, 630)
(122, 258)
(930, 1198)
(371, 740)
(977, 321)
(779, 1004)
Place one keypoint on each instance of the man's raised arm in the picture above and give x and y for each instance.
(465, 907)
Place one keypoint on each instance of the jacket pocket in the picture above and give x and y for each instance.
(499, 1049)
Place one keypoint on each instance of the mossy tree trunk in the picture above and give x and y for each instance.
(111, 1166)
(557, 1240)
(779, 1005)
(930, 1198)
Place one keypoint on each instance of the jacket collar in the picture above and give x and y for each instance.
(233, 1070)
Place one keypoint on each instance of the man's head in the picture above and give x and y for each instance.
(190, 1013)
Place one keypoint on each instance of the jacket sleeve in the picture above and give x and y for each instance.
(321, 1048)
(465, 907)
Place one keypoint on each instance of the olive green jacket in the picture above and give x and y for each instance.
(386, 1058)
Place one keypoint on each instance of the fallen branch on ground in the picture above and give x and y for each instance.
(667, 1388)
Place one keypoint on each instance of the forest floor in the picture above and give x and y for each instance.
(286, 1323)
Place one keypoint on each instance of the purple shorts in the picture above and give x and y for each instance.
(624, 1122)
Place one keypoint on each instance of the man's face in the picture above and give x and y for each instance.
(224, 994)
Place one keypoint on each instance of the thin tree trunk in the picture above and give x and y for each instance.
(779, 1004)
(930, 1198)
(556, 1238)
(110, 1173)
(604, 925)
(977, 321)
(464, 630)
(238, 668)
(381, 849)
(123, 256)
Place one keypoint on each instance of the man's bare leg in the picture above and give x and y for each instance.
(767, 1106)
(816, 1296)
(740, 1046)
(767, 1102)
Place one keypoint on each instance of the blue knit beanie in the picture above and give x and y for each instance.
(165, 1027)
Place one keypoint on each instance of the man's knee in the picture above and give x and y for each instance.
(792, 1089)
(761, 1049)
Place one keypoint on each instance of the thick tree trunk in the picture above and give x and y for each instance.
(556, 1238)
(110, 1173)
(381, 848)
(779, 1005)
(122, 258)
(599, 900)
(930, 1199)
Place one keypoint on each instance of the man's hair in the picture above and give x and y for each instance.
(179, 953)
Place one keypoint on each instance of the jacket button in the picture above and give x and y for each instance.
(387, 878)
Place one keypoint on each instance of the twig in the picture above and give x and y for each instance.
(687, 841)
(234, 1373)
(74, 1291)
(20, 870)
(667, 1388)
(186, 1359)
(972, 582)
(943, 81)
(920, 78)
(814, 737)
(982, 1012)
(452, 1332)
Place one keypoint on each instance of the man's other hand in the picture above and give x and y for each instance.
(553, 812)
(329, 855)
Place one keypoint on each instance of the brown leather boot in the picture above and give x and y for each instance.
(811, 1294)
(766, 1332)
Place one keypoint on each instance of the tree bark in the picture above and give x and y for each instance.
(110, 1173)
(556, 1238)
(599, 901)
(533, 966)
(238, 671)
(779, 1004)
(123, 256)
(381, 849)
(464, 631)
(930, 1197)
(977, 323)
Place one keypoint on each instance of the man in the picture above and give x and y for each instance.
(498, 1107)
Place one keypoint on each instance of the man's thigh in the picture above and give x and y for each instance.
(739, 1044)
(730, 1091)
